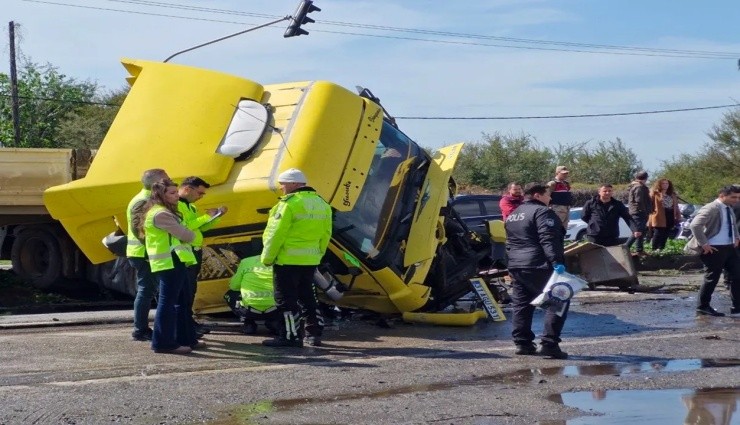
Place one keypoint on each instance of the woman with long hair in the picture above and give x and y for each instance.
(158, 224)
(665, 213)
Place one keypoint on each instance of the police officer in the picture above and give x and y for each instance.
(251, 295)
(534, 243)
(294, 241)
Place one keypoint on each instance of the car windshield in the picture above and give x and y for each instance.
(365, 227)
(575, 214)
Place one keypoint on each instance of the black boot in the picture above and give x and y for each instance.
(288, 334)
(553, 351)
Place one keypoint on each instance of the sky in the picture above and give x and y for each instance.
(433, 58)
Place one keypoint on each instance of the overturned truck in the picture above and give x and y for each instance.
(396, 245)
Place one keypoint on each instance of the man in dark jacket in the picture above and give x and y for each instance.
(534, 243)
(602, 214)
(638, 200)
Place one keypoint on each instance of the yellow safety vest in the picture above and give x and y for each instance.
(134, 247)
(254, 280)
(160, 245)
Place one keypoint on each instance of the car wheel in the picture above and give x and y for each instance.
(580, 235)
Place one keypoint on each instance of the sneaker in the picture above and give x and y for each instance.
(553, 352)
(313, 341)
(249, 328)
(142, 336)
(708, 311)
(179, 350)
(526, 349)
(282, 342)
(735, 311)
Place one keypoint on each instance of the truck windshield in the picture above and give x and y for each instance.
(365, 227)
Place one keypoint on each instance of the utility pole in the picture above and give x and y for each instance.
(14, 87)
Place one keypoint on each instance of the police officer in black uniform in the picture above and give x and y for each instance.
(534, 243)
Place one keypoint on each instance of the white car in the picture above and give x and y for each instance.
(577, 227)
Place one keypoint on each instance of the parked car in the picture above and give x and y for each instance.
(477, 210)
(577, 227)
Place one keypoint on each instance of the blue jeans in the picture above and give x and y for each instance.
(173, 324)
(145, 286)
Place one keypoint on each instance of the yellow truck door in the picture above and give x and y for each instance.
(422, 242)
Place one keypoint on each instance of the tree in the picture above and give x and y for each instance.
(608, 162)
(87, 126)
(47, 97)
(697, 177)
(498, 160)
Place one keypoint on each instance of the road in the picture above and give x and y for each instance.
(81, 372)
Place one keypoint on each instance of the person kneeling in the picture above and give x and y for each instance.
(250, 296)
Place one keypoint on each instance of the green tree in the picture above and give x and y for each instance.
(607, 162)
(697, 177)
(47, 97)
(87, 126)
(498, 160)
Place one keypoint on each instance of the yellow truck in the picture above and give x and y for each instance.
(396, 244)
(40, 250)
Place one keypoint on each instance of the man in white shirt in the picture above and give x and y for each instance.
(715, 238)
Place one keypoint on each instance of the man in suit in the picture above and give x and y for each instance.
(715, 237)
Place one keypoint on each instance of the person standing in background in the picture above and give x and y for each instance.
(513, 198)
(640, 207)
(561, 196)
(715, 237)
(665, 213)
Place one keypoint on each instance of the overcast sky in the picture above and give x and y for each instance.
(417, 73)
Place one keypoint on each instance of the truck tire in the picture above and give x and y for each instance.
(37, 258)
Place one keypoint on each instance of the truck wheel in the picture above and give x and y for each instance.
(37, 258)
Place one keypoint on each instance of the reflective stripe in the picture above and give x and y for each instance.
(160, 256)
(303, 251)
(311, 216)
(134, 242)
(258, 294)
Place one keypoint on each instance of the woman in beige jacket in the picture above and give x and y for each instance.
(665, 213)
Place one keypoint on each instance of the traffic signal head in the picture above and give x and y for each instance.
(301, 17)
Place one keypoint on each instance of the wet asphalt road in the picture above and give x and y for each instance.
(93, 373)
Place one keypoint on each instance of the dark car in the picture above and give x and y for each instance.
(477, 210)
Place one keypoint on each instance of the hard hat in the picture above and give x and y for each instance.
(292, 175)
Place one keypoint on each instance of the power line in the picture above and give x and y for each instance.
(51, 99)
(605, 49)
(730, 55)
(616, 114)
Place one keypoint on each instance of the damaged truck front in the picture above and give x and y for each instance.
(396, 245)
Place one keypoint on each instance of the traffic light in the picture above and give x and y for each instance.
(301, 17)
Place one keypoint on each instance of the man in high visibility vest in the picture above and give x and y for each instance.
(191, 190)
(146, 284)
(295, 239)
(251, 297)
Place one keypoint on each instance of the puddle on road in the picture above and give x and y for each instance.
(617, 369)
(707, 406)
(242, 415)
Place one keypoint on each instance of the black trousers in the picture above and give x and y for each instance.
(641, 226)
(527, 285)
(726, 257)
(295, 298)
(193, 272)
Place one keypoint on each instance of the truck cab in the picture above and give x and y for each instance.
(395, 245)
